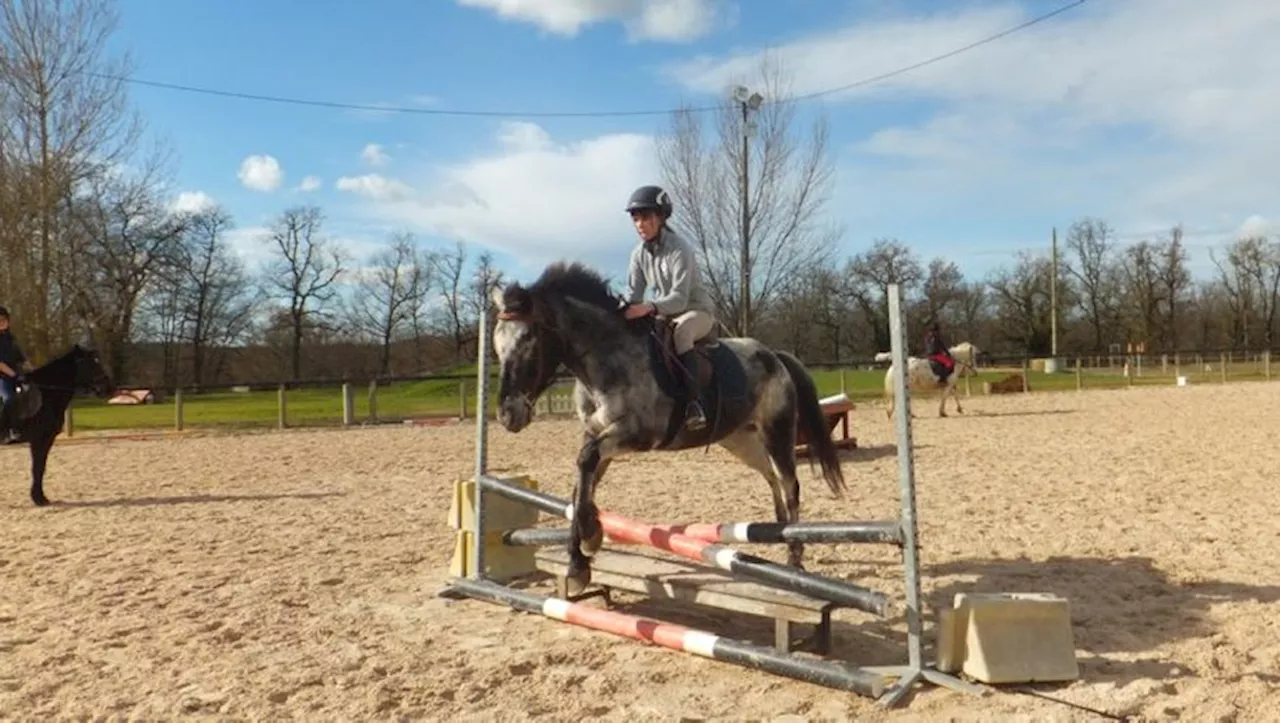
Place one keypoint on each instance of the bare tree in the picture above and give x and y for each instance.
(449, 273)
(390, 294)
(303, 274)
(942, 290)
(1251, 278)
(121, 239)
(789, 179)
(65, 120)
(216, 301)
(1092, 242)
(1175, 280)
(888, 261)
(1021, 300)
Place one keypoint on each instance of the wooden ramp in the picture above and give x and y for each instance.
(662, 578)
(836, 409)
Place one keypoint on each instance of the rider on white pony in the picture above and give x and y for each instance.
(935, 349)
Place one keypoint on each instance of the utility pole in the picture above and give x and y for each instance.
(748, 102)
(1053, 296)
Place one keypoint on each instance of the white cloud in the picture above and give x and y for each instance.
(1162, 110)
(249, 243)
(374, 186)
(374, 155)
(260, 173)
(309, 184)
(192, 202)
(1256, 225)
(531, 196)
(660, 20)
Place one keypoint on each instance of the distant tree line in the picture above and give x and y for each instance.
(93, 248)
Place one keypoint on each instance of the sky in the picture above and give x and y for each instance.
(1146, 113)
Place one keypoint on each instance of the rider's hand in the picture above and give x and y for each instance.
(636, 311)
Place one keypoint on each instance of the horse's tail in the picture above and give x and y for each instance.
(814, 424)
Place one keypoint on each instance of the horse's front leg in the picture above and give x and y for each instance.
(586, 535)
(40, 447)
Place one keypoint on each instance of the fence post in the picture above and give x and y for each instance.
(1266, 365)
(1079, 376)
(348, 402)
(1223, 357)
(843, 388)
(69, 420)
(281, 408)
(462, 399)
(1026, 375)
(177, 409)
(373, 400)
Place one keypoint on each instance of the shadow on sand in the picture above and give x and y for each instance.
(192, 500)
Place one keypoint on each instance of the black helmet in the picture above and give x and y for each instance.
(650, 198)
(4, 311)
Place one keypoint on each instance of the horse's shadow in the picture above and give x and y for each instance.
(1023, 413)
(874, 452)
(191, 500)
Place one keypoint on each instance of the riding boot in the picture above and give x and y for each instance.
(695, 417)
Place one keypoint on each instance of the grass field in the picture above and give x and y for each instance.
(443, 397)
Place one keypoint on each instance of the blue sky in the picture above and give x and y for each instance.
(1144, 112)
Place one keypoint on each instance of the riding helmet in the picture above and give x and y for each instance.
(650, 198)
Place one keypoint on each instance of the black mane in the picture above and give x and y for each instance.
(577, 281)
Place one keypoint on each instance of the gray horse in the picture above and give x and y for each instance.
(627, 390)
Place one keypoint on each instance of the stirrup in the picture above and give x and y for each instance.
(694, 416)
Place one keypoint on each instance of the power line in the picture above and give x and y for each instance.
(571, 114)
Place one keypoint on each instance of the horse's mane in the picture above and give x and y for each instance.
(56, 363)
(577, 281)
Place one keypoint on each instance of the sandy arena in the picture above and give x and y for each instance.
(177, 578)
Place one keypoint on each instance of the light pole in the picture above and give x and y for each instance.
(749, 102)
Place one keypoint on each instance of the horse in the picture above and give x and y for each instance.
(626, 394)
(921, 376)
(41, 404)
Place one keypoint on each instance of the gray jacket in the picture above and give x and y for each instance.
(670, 267)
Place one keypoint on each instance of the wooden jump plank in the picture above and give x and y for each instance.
(666, 579)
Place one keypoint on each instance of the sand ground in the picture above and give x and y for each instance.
(292, 575)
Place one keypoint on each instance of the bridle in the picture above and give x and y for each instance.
(541, 377)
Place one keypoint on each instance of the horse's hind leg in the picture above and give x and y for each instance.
(779, 470)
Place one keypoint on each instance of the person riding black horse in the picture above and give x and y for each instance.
(12, 365)
(935, 349)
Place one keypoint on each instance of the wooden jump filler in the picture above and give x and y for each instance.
(495, 540)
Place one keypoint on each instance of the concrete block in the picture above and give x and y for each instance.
(500, 513)
(1014, 637)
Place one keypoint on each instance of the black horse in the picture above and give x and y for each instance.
(41, 405)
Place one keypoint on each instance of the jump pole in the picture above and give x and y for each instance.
(914, 671)
(714, 554)
(739, 532)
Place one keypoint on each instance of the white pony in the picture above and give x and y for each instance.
(921, 377)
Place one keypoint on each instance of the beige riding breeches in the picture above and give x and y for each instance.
(690, 327)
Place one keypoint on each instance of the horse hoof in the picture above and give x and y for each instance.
(40, 501)
(575, 583)
(592, 543)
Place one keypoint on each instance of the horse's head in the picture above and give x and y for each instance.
(89, 373)
(529, 352)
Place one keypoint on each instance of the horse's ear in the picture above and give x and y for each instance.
(497, 296)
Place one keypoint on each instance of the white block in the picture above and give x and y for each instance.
(1015, 637)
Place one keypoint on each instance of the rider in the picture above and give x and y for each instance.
(666, 262)
(12, 363)
(936, 350)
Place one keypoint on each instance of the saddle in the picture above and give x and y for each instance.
(26, 403)
(664, 346)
